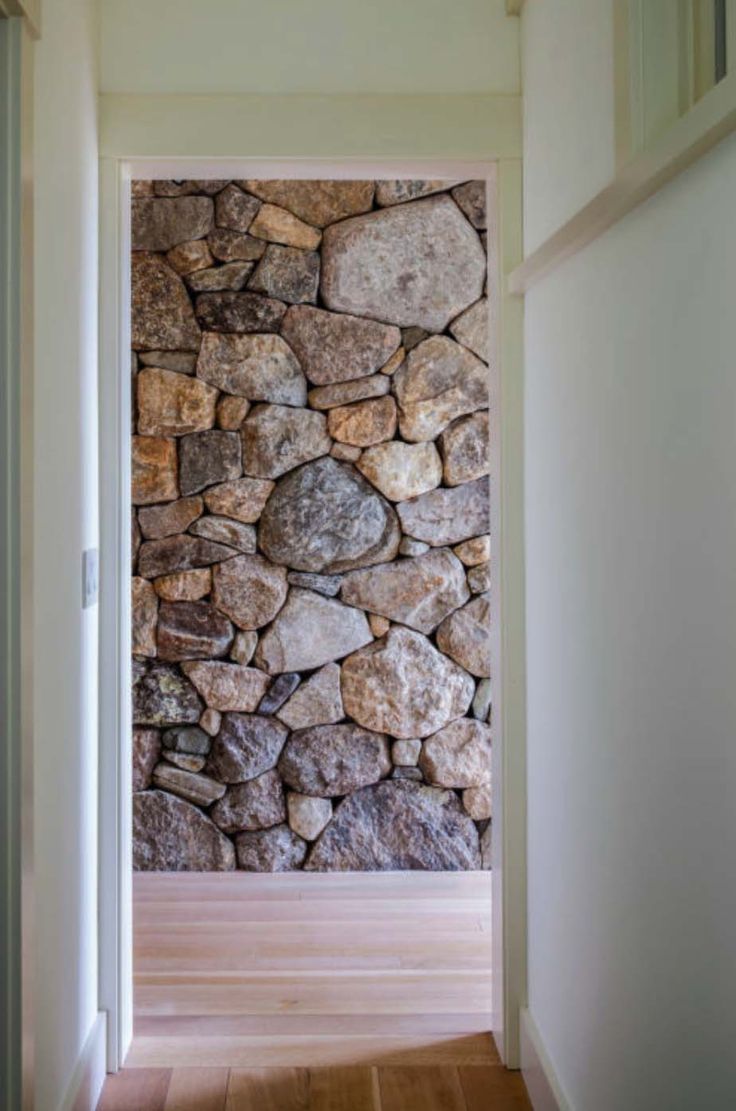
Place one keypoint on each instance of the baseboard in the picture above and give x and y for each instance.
(85, 1086)
(542, 1085)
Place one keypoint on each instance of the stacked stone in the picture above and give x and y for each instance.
(311, 672)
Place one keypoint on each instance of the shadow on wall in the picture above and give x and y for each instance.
(310, 525)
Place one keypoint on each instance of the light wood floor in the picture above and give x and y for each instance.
(319, 992)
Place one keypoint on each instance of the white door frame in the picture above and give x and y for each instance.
(509, 853)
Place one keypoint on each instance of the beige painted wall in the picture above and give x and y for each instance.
(631, 604)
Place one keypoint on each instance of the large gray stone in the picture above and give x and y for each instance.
(277, 438)
(414, 264)
(225, 531)
(246, 746)
(239, 312)
(316, 202)
(249, 589)
(270, 850)
(318, 701)
(439, 381)
(257, 804)
(192, 631)
(287, 273)
(447, 516)
(325, 517)
(330, 760)
(403, 686)
(458, 755)
(206, 458)
(162, 317)
(259, 367)
(163, 696)
(417, 592)
(465, 636)
(170, 835)
(311, 630)
(160, 224)
(333, 347)
(397, 826)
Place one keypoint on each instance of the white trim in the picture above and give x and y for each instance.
(508, 758)
(115, 856)
(85, 1086)
(541, 1081)
(697, 132)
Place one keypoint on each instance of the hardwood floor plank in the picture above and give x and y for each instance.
(303, 885)
(147, 1026)
(268, 1090)
(341, 1089)
(139, 1089)
(431, 1089)
(493, 1089)
(197, 1089)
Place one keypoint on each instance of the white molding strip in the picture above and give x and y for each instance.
(541, 1082)
(85, 1086)
(697, 132)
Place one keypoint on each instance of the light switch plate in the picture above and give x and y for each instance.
(90, 577)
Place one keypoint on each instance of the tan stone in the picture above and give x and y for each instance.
(465, 636)
(145, 615)
(211, 721)
(154, 472)
(405, 754)
(316, 702)
(439, 382)
(227, 687)
(401, 191)
(244, 646)
(477, 802)
(232, 246)
(479, 578)
(465, 449)
(188, 785)
(400, 470)
(317, 202)
(459, 755)
(280, 226)
(159, 521)
(379, 625)
(346, 453)
(188, 257)
(223, 530)
(471, 329)
(171, 404)
(146, 755)
(475, 551)
(308, 815)
(250, 590)
(417, 592)
(364, 423)
(342, 393)
(184, 586)
(242, 499)
(394, 362)
(184, 761)
(231, 412)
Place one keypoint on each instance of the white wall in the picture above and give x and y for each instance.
(631, 608)
(65, 523)
(313, 46)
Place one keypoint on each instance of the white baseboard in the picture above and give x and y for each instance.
(542, 1085)
(88, 1077)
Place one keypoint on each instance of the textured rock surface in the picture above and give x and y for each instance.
(398, 192)
(471, 329)
(281, 226)
(242, 499)
(154, 470)
(243, 647)
(318, 701)
(316, 202)
(479, 578)
(257, 804)
(403, 686)
(191, 786)
(192, 631)
(187, 739)
(170, 835)
(161, 312)
(226, 686)
(471, 196)
(439, 381)
(447, 516)
(234, 209)
(394, 826)
(281, 688)
(326, 517)
(184, 586)
(400, 470)
(179, 553)
(309, 631)
(475, 551)
(364, 423)
(246, 746)
(477, 802)
(225, 531)
(159, 224)
(183, 362)
(482, 700)
(458, 755)
(146, 754)
(288, 274)
(333, 760)
(231, 412)
(206, 458)
(342, 393)
(234, 246)
(308, 816)
(414, 264)
(405, 754)
(270, 850)
(163, 696)
(144, 604)
(190, 257)
(171, 404)
(418, 592)
(277, 438)
(239, 312)
(232, 276)
(465, 449)
(249, 589)
(259, 367)
(329, 585)
(332, 347)
(465, 636)
(159, 521)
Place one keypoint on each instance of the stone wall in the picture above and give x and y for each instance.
(310, 528)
